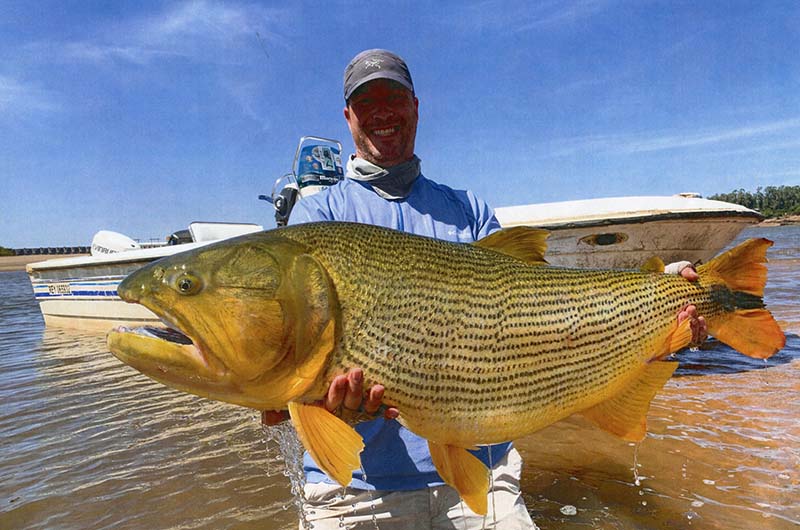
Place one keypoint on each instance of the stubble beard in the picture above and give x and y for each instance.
(384, 156)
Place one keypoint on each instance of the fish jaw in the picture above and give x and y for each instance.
(169, 357)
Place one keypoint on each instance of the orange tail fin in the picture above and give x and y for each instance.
(738, 278)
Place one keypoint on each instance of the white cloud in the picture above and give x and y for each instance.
(498, 15)
(616, 144)
(21, 97)
(199, 30)
(711, 137)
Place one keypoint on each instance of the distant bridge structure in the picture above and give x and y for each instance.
(50, 251)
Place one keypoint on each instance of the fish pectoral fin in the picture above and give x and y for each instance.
(464, 472)
(521, 242)
(334, 445)
(625, 414)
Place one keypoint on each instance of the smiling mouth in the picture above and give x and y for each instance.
(386, 131)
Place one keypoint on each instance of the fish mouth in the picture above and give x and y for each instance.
(163, 353)
(167, 334)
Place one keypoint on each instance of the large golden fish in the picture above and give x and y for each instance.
(475, 343)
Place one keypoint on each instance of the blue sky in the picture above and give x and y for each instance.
(141, 117)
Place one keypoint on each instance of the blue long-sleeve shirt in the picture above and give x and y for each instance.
(394, 458)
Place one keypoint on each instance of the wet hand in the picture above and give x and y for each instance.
(346, 394)
(697, 323)
(345, 398)
(274, 417)
(689, 273)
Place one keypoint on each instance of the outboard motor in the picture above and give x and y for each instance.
(317, 165)
(108, 242)
(284, 203)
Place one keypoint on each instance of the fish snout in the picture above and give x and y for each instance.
(140, 284)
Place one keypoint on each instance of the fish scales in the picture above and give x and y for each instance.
(465, 335)
(474, 344)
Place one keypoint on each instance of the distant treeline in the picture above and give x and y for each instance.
(6, 251)
(772, 201)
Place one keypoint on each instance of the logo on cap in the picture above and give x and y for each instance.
(373, 62)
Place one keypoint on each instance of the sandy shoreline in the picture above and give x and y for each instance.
(781, 221)
(17, 263)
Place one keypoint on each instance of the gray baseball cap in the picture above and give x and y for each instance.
(375, 64)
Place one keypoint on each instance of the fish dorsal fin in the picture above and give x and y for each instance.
(625, 414)
(334, 445)
(521, 242)
(464, 472)
(654, 264)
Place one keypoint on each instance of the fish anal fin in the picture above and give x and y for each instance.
(625, 414)
(679, 338)
(654, 264)
(521, 242)
(333, 444)
(752, 332)
(464, 472)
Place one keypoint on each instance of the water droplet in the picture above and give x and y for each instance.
(708, 482)
(569, 509)
(697, 504)
(291, 450)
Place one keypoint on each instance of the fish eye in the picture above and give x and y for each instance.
(188, 284)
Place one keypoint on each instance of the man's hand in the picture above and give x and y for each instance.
(698, 323)
(345, 396)
(347, 391)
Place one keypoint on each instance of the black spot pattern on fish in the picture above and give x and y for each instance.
(496, 342)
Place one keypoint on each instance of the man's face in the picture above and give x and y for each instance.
(382, 116)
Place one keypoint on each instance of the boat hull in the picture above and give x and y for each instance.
(81, 292)
(87, 303)
(629, 245)
(624, 232)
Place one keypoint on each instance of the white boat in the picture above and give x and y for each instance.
(624, 232)
(81, 292)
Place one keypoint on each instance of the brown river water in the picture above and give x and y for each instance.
(88, 443)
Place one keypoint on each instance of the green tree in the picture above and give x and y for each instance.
(772, 201)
